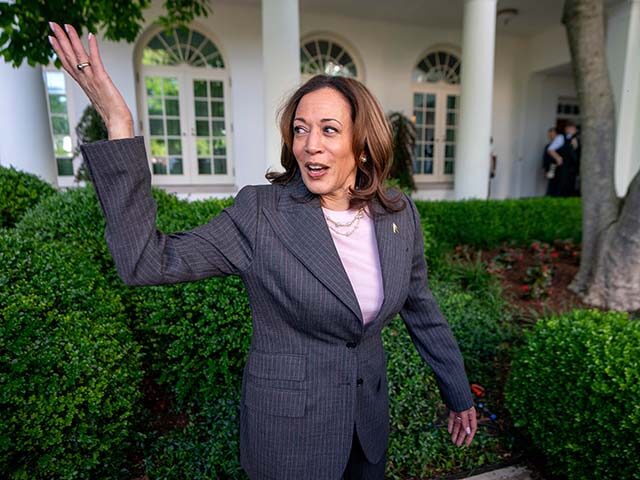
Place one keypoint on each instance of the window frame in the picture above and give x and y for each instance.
(334, 39)
(441, 90)
(190, 176)
(64, 180)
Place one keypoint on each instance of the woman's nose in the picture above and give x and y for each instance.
(314, 142)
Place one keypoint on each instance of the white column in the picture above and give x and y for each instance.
(476, 99)
(628, 124)
(281, 67)
(25, 137)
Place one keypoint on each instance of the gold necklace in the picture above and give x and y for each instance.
(355, 221)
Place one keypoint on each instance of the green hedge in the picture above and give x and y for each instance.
(574, 390)
(487, 223)
(69, 368)
(194, 337)
(19, 192)
(420, 446)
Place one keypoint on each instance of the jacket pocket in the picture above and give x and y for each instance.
(277, 366)
(283, 403)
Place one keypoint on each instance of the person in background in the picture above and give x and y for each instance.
(571, 154)
(564, 149)
(550, 163)
(493, 159)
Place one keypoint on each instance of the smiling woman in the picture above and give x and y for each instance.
(328, 258)
(328, 123)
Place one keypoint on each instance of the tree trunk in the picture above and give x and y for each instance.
(609, 274)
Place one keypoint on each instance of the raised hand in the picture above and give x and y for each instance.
(87, 70)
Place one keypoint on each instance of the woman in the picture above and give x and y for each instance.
(327, 256)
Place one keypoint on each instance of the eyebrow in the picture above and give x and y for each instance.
(321, 120)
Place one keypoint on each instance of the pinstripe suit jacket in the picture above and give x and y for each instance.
(313, 368)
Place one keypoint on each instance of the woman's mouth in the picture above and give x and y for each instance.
(316, 170)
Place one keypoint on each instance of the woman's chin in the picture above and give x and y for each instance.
(316, 186)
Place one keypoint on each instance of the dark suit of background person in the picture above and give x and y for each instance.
(314, 370)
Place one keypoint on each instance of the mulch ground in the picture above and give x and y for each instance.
(563, 259)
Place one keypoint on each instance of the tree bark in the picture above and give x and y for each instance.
(609, 274)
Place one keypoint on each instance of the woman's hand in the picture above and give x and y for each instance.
(463, 426)
(93, 79)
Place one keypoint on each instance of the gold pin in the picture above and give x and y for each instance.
(395, 228)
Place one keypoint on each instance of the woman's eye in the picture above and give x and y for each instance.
(330, 129)
(297, 129)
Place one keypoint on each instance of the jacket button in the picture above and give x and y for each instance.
(359, 382)
(351, 345)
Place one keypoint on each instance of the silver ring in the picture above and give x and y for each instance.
(459, 418)
(82, 65)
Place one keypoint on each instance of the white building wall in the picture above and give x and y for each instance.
(25, 134)
(617, 30)
(548, 49)
(506, 123)
(525, 94)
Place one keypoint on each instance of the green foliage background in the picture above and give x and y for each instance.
(191, 340)
(574, 389)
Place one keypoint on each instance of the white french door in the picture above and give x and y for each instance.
(186, 124)
(436, 112)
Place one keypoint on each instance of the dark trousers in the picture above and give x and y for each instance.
(358, 467)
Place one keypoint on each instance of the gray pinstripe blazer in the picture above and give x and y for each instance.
(313, 369)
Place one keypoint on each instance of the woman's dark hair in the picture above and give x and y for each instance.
(371, 137)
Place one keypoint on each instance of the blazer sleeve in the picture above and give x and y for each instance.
(145, 256)
(430, 331)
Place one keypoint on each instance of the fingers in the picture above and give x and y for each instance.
(80, 53)
(65, 50)
(94, 55)
(473, 425)
(63, 59)
(462, 426)
(462, 431)
(456, 419)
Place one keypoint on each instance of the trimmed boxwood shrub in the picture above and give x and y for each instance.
(574, 390)
(69, 368)
(19, 191)
(206, 448)
(487, 223)
(195, 336)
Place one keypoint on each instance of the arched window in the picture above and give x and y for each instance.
(182, 46)
(436, 102)
(439, 66)
(322, 55)
(185, 99)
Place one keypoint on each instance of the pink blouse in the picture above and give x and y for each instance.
(359, 255)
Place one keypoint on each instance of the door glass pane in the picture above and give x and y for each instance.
(159, 165)
(424, 112)
(175, 166)
(165, 139)
(200, 88)
(453, 103)
(65, 166)
(204, 166)
(211, 140)
(156, 126)
(202, 128)
(173, 126)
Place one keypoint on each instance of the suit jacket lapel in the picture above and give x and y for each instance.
(301, 226)
(391, 250)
